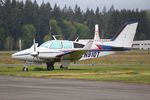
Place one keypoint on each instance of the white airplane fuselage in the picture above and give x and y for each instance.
(46, 54)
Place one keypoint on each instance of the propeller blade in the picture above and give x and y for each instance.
(34, 44)
(35, 53)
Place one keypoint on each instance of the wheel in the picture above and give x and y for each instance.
(25, 69)
(61, 66)
(50, 68)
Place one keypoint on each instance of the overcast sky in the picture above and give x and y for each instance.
(118, 4)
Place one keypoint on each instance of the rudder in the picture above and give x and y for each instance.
(126, 35)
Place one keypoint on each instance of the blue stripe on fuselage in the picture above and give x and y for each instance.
(96, 52)
(111, 48)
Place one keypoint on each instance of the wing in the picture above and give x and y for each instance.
(76, 54)
(73, 55)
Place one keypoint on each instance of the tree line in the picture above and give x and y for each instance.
(27, 20)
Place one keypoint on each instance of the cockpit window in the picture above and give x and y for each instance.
(77, 45)
(46, 44)
(56, 45)
(67, 45)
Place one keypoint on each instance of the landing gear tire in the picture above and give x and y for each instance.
(25, 69)
(50, 68)
(61, 67)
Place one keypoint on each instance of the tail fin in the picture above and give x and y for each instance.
(126, 35)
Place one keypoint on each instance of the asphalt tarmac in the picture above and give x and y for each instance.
(19, 88)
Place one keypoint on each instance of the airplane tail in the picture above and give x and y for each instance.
(125, 36)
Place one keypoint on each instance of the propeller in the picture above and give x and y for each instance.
(34, 44)
(35, 53)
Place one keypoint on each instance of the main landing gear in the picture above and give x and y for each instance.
(50, 65)
(64, 64)
(61, 67)
(25, 68)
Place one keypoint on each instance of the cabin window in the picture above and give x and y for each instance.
(77, 45)
(56, 45)
(67, 45)
(46, 44)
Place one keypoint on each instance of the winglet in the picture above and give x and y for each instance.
(88, 45)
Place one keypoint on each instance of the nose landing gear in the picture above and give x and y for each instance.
(25, 68)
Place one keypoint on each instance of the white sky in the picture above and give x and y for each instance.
(118, 4)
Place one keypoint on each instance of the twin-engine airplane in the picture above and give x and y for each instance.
(65, 51)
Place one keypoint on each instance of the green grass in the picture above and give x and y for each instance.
(134, 73)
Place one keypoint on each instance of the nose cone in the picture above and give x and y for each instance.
(21, 55)
(15, 55)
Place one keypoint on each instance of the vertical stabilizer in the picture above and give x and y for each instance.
(125, 36)
(96, 36)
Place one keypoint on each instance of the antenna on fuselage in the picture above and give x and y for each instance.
(77, 39)
(34, 44)
(54, 36)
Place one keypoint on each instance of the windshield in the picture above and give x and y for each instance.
(46, 44)
(56, 45)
